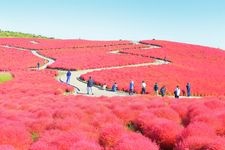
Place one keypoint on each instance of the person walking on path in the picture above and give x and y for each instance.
(163, 91)
(38, 66)
(104, 86)
(177, 92)
(90, 83)
(143, 87)
(156, 88)
(131, 87)
(114, 87)
(188, 87)
(68, 75)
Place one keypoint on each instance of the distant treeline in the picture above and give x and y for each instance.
(12, 34)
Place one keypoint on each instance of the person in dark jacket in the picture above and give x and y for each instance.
(68, 75)
(114, 87)
(156, 88)
(90, 83)
(163, 91)
(188, 87)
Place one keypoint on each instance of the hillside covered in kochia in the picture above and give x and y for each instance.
(36, 114)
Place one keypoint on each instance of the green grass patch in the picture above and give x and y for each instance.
(5, 76)
(35, 136)
(130, 125)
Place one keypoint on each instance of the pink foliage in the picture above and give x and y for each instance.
(135, 141)
(110, 135)
(33, 83)
(167, 113)
(86, 145)
(196, 142)
(198, 129)
(14, 134)
(221, 117)
(35, 114)
(163, 131)
(6, 147)
(58, 139)
(13, 59)
(215, 104)
(51, 44)
(185, 67)
(208, 112)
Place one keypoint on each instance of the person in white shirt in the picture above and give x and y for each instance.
(177, 92)
(143, 87)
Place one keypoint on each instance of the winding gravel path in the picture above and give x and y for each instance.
(80, 86)
(49, 60)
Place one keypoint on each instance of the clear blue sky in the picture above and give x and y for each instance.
(193, 21)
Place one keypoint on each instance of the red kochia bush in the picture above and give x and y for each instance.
(167, 113)
(16, 135)
(13, 59)
(110, 135)
(135, 141)
(42, 145)
(101, 119)
(7, 147)
(52, 44)
(211, 120)
(215, 104)
(196, 109)
(221, 117)
(34, 83)
(155, 103)
(185, 67)
(181, 107)
(201, 143)
(86, 145)
(163, 131)
(207, 112)
(200, 129)
(58, 139)
(125, 113)
(143, 119)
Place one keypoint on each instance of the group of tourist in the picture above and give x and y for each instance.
(162, 90)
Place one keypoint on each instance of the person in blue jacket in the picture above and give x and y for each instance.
(114, 87)
(131, 88)
(68, 75)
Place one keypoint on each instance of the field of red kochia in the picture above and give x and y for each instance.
(38, 113)
(199, 65)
